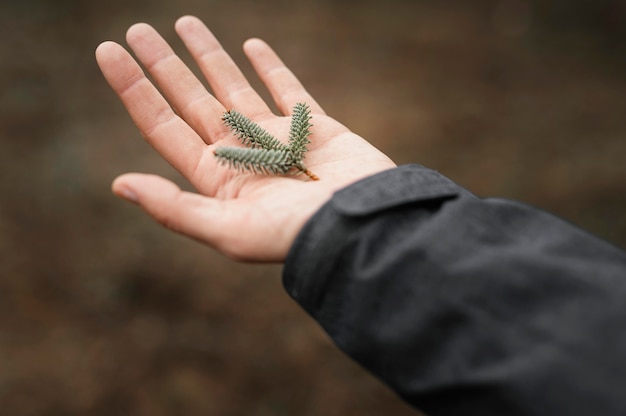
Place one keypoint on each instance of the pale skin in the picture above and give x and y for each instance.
(245, 216)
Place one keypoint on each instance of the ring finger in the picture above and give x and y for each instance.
(225, 78)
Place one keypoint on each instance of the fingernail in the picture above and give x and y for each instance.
(128, 194)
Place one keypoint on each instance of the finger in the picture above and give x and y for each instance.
(180, 211)
(285, 88)
(225, 78)
(209, 220)
(163, 129)
(182, 88)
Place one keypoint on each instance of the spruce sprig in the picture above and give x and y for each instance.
(272, 161)
(300, 130)
(250, 133)
(265, 154)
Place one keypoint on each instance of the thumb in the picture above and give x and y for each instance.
(188, 213)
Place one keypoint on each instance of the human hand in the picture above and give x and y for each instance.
(243, 215)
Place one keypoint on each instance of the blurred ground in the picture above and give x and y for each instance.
(102, 312)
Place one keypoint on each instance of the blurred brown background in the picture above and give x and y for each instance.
(103, 312)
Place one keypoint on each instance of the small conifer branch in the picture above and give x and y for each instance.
(275, 162)
(266, 154)
(250, 133)
(299, 131)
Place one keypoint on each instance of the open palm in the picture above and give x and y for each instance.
(243, 215)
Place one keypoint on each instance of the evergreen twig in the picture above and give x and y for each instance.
(250, 133)
(276, 162)
(299, 132)
(266, 154)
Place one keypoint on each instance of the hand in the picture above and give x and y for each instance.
(243, 215)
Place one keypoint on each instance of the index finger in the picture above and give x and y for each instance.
(171, 136)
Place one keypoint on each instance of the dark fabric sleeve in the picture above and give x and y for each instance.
(466, 306)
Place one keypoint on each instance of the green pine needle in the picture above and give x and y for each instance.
(266, 154)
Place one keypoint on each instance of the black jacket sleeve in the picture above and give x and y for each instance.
(466, 306)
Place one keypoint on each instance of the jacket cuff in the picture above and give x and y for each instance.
(319, 245)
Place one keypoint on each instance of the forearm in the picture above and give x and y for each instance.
(463, 305)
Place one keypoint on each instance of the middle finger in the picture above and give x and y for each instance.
(181, 87)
